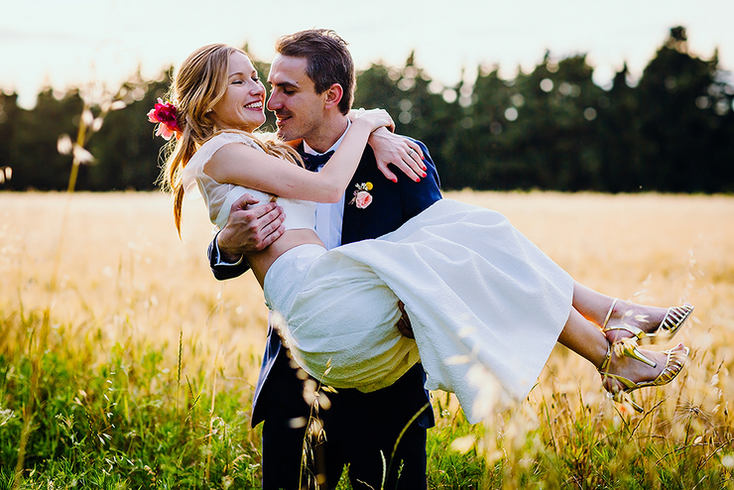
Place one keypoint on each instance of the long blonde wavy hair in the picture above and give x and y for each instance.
(200, 83)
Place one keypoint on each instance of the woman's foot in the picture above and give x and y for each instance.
(622, 374)
(630, 320)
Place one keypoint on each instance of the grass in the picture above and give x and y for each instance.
(126, 365)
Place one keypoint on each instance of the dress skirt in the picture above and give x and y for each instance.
(478, 294)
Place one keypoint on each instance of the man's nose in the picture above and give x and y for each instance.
(273, 102)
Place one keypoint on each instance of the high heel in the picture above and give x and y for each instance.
(669, 326)
(628, 347)
(621, 387)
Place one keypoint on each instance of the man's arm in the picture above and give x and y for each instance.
(249, 229)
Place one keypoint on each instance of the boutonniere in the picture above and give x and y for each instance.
(362, 197)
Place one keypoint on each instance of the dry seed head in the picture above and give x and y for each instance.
(297, 422)
(64, 144)
(309, 391)
(5, 416)
(117, 105)
(82, 155)
(463, 444)
(87, 117)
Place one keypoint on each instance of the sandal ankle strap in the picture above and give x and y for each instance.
(609, 313)
(605, 363)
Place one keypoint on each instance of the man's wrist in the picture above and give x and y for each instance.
(225, 258)
(228, 259)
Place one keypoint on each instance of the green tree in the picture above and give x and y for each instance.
(551, 128)
(127, 151)
(620, 141)
(9, 116)
(35, 160)
(415, 102)
(685, 120)
(476, 150)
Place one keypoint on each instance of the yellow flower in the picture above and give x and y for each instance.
(368, 185)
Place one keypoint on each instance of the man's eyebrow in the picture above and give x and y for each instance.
(285, 83)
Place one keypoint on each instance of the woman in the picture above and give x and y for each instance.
(474, 288)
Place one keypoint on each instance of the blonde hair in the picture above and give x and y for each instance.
(200, 83)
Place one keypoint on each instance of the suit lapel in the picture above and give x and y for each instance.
(352, 218)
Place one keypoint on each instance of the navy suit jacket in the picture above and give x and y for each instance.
(393, 204)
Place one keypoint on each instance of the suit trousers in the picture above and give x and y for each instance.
(359, 430)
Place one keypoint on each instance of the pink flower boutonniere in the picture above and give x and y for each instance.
(362, 197)
(165, 113)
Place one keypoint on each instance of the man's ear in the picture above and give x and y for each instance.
(334, 95)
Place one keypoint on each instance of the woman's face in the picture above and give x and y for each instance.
(242, 106)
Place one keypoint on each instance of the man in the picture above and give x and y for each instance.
(312, 80)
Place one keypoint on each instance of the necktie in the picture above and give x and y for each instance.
(313, 162)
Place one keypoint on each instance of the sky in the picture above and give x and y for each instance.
(69, 43)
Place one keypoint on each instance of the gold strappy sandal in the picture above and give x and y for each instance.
(621, 387)
(626, 346)
(672, 321)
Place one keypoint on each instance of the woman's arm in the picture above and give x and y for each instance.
(248, 167)
(399, 151)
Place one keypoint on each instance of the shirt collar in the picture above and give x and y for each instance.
(307, 149)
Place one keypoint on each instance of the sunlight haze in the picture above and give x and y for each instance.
(72, 43)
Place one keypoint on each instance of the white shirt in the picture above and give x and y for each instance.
(329, 216)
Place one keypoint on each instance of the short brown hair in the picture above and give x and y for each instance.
(328, 60)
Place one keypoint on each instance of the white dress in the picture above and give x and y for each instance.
(477, 292)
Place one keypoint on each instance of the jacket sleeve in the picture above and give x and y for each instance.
(418, 196)
(223, 271)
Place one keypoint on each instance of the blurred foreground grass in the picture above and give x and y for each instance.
(145, 374)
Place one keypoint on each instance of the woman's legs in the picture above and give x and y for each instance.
(584, 338)
(594, 306)
(588, 341)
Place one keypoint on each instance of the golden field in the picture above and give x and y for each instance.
(123, 270)
(111, 266)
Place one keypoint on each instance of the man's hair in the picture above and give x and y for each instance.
(328, 61)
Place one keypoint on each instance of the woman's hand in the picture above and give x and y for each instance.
(390, 148)
(376, 117)
(402, 152)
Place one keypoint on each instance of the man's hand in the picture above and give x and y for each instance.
(249, 229)
(403, 324)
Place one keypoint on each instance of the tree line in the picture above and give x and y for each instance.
(552, 128)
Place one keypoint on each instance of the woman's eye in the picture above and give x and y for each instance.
(237, 82)
(255, 78)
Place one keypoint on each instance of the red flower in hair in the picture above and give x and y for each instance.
(164, 113)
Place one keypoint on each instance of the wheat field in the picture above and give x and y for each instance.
(101, 283)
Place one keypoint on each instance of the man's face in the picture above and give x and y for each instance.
(298, 108)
